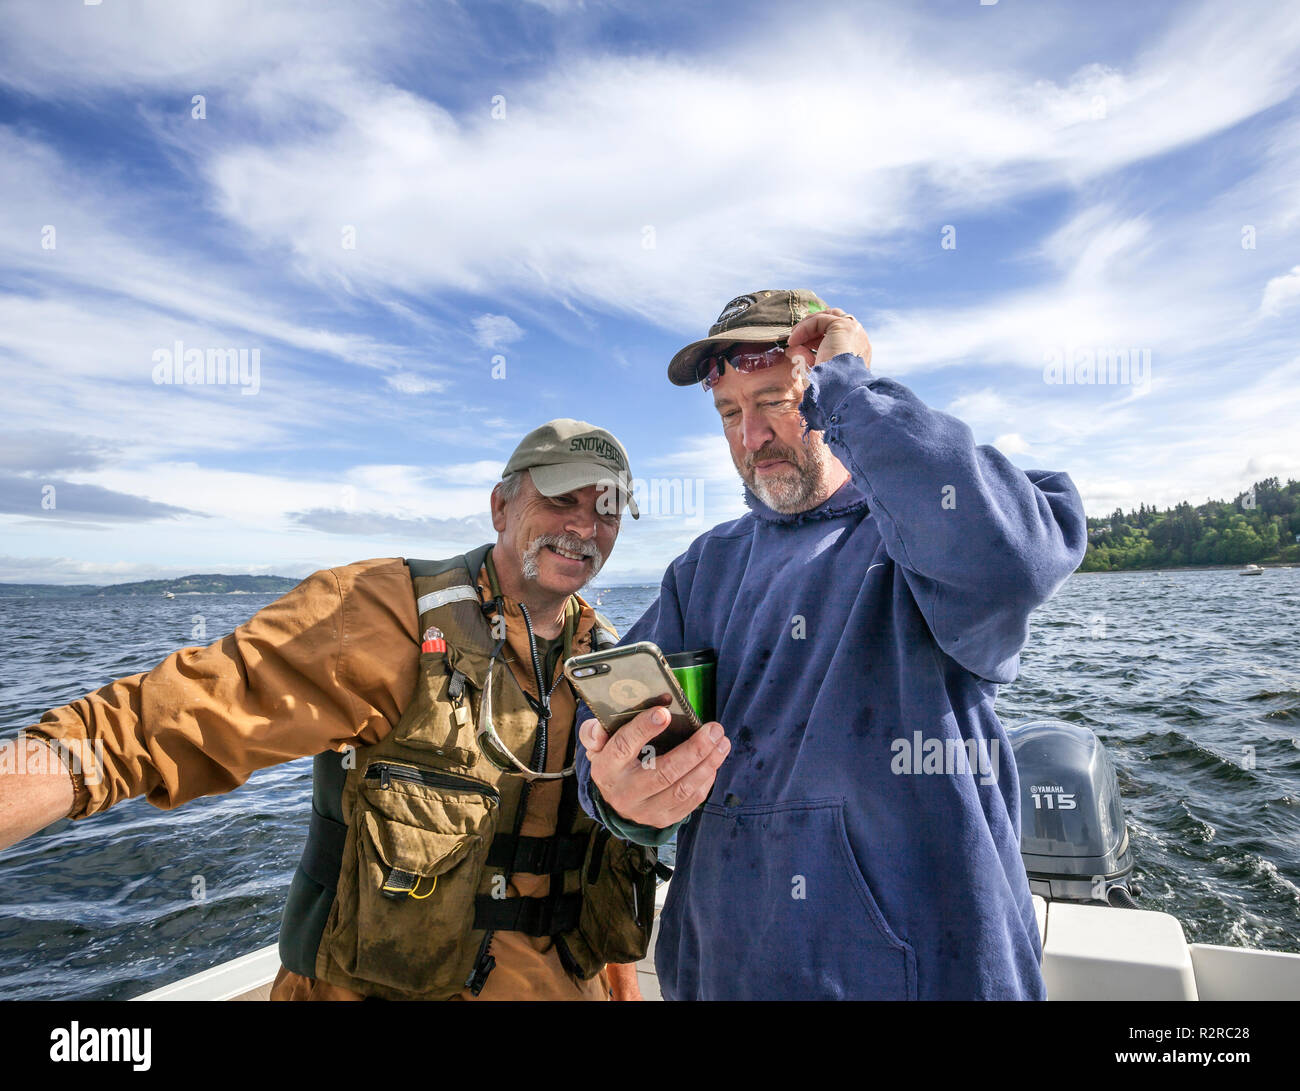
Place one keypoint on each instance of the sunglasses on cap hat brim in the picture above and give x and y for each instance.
(743, 358)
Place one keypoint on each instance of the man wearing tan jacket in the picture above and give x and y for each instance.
(354, 666)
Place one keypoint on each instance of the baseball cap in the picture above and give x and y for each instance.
(768, 315)
(565, 454)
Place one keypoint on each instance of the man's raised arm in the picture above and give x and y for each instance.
(980, 541)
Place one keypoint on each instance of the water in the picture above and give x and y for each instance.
(1177, 673)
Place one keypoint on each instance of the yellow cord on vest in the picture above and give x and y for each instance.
(421, 897)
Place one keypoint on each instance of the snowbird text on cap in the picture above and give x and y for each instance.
(601, 448)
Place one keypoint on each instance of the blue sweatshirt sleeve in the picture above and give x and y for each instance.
(980, 542)
(662, 624)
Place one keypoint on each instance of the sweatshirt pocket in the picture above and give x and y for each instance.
(779, 909)
(419, 842)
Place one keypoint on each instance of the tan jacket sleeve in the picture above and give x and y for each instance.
(328, 665)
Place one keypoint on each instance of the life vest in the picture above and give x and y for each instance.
(412, 840)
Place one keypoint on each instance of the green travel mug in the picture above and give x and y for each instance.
(695, 673)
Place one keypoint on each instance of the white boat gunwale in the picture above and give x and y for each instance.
(1090, 952)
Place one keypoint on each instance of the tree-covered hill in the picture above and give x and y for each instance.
(202, 585)
(1260, 525)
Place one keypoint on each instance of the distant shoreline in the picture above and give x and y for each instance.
(1181, 568)
(214, 586)
(198, 584)
(189, 586)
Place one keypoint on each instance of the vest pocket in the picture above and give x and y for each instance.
(618, 904)
(441, 714)
(417, 844)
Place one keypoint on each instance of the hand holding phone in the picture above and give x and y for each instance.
(620, 683)
(657, 793)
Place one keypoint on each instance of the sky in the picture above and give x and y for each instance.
(430, 227)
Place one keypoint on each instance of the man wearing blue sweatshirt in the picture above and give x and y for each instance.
(855, 832)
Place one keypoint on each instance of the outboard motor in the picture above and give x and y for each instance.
(1073, 838)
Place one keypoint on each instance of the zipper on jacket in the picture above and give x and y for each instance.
(386, 772)
(542, 706)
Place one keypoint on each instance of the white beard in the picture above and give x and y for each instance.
(797, 488)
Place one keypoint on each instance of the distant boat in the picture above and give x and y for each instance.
(168, 595)
(1251, 570)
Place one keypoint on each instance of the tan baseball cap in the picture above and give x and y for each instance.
(565, 454)
(768, 315)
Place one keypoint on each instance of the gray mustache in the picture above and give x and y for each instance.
(567, 542)
(768, 454)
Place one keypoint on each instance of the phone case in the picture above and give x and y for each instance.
(626, 682)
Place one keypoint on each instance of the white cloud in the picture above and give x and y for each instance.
(81, 50)
(618, 144)
(100, 251)
(545, 212)
(407, 383)
(1281, 292)
(494, 331)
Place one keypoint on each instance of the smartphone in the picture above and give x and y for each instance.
(621, 683)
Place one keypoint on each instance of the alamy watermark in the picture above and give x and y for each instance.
(660, 496)
(919, 756)
(1091, 365)
(116, 1045)
(180, 366)
(36, 755)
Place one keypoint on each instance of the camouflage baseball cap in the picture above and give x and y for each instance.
(768, 315)
(565, 454)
